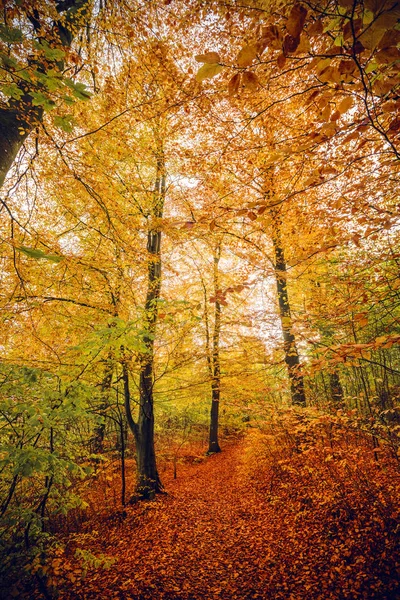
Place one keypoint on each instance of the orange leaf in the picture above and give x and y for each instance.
(208, 58)
(345, 104)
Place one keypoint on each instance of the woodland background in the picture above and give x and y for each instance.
(199, 251)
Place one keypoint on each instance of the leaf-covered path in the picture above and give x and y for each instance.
(304, 529)
(203, 540)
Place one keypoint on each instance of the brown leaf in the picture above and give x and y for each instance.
(390, 106)
(247, 55)
(347, 66)
(233, 85)
(395, 125)
(271, 36)
(208, 58)
(188, 225)
(312, 97)
(281, 60)
(391, 38)
(335, 116)
(358, 47)
(250, 81)
(261, 45)
(315, 28)
(296, 20)
(290, 44)
(387, 55)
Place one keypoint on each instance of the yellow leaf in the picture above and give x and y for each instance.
(304, 45)
(326, 113)
(373, 34)
(208, 71)
(330, 75)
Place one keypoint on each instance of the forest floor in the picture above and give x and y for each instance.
(235, 527)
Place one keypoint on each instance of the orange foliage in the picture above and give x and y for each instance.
(305, 508)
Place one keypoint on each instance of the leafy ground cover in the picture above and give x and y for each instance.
(289, 513)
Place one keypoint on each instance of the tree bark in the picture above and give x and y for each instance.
(214, 363)
(148, 480)
(292, 359)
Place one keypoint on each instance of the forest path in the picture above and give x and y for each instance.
(203, 540)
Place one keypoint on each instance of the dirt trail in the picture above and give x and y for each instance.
(203, 540)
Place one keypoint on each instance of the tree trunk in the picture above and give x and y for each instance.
(292, 359)
(97, 441)
(20, 118)
(214, 363)
(148, 480)
(16, 123)
(336, 387)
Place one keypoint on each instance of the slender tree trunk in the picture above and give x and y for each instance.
(292, 359)
(97, 441)
(336, 387)
(214, 363)
(148, 481)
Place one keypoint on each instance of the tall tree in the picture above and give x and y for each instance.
(213, 354)
(290, 350)
(149, 481)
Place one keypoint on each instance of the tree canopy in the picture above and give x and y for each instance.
(199, 238)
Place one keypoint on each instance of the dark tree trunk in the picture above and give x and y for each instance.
(214, 362)
(20, 118)
(292, 359)
(336, 387)
(213, 445)
(148, 481)
(16, 123)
